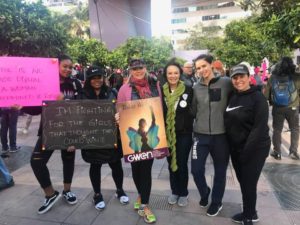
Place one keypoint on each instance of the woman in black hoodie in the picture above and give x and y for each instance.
(246, 123)
(95, 88)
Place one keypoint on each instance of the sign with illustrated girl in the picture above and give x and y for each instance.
(142, 129)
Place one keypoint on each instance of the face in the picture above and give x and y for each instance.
(204, 69)
(173, 75)
(188, 69)
(65, 68)
(97, 82)
(138, 72)
(241, 82)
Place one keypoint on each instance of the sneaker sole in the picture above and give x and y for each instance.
(215, 213)
(71, 203)
(50, 206)
(149, 222)
(240, 222)
(122, 203)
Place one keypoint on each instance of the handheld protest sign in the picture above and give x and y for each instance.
(142, 129)
(85, 124)
(28, 81)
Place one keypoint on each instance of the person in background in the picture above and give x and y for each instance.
(9, 120)
(210, 97)
(282, 91)
(70, 89)
(140, 86)
(188, 75)
(95, 88)
(258, 77)
(179, 127)
(246, 123)
(6, 180)
(218, 68)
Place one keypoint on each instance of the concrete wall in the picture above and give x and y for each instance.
(119, 19)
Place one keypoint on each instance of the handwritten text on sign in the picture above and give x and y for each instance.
(28, 81)
(85, 124)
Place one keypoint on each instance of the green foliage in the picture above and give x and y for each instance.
(245, 41)
(89, 51)
(29, 30)
(155, 52)
(201, 39)
(282, 19)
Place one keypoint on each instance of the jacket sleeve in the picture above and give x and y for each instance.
(260, 128)
(193, 109)
(32, 110)
(267, 90)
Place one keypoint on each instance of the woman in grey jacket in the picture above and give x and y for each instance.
(209, 104)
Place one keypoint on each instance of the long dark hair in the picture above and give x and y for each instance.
(89, 90)
(285, 67)
(63, 57)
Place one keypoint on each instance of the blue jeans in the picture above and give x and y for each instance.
(9, 120)
(4, 172)
(180, 178)
(217, 147)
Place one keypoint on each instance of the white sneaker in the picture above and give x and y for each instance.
(172, 199)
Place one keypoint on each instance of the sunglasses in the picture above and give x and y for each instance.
(137, 68)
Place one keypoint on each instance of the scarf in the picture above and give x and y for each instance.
(171, 99)
(142, 87)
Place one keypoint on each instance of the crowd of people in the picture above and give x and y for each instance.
(207, 111)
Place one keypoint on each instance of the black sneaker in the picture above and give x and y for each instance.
(49, 202)
(214, 209)
(70, 197)
(15, 149)
(121, 195)
(294, 155)
(238, 218)
(247, 222)
(99, 202)
(204, 201)
(275, 155)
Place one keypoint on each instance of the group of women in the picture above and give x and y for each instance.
(218, 116)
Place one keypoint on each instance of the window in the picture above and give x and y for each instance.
(211, 28)
(180, 10)
(225, 4)
(182, 20)
(211, 17)
(179, 31)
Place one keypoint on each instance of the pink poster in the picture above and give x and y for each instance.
(28, 81)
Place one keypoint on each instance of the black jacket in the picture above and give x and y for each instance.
(102, 155)
(184, 118)
(246, 124)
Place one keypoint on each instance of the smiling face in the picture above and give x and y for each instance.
(173, 75)
(138, 72)
(204, 69)
(241, 82)
(97, 82)
(65, 68)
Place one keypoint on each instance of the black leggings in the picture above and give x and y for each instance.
(40, 158)
(248, 174)
(141, 174)
(117, 174)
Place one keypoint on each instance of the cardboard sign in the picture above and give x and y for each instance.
(85, 124)
(28, 81)
(142, 129)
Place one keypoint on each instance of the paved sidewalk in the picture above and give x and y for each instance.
(19, 204)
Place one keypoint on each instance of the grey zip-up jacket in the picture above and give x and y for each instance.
(209, 104)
